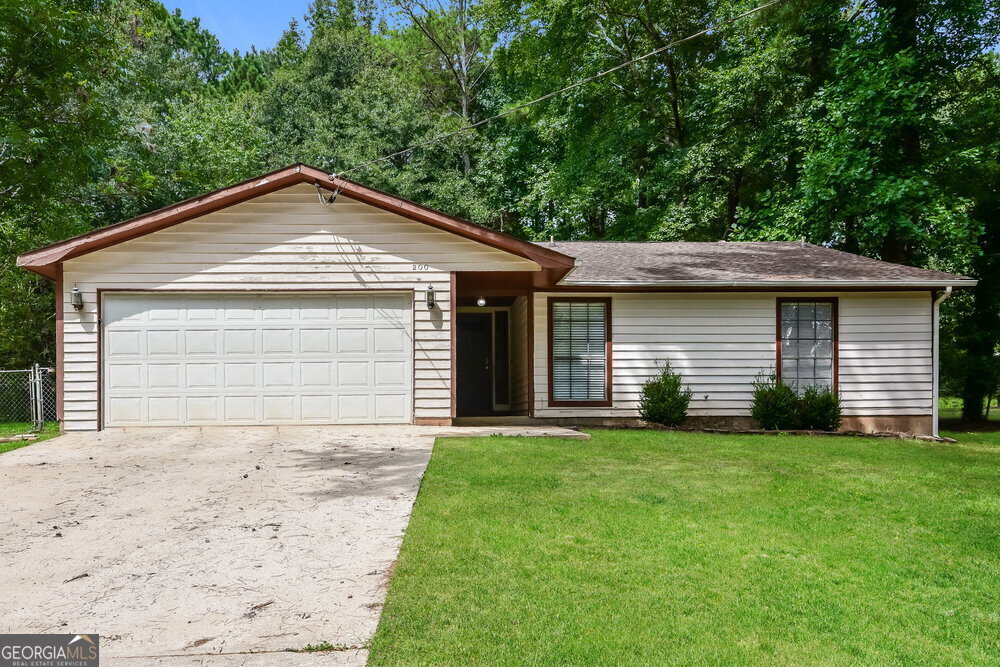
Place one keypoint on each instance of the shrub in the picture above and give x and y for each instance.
(664, 399)
(775, 405)
(819, 409)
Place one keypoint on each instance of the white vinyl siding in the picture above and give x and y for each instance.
(720, 342)
(579, 351)
(285, 241)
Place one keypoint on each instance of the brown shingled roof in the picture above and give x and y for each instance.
(600, 262)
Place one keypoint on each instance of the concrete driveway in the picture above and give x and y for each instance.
(178, 544)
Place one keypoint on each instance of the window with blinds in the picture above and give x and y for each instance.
(808, 340)
(579, 351)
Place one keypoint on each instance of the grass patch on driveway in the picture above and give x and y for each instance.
(8, 429)
(650, 547)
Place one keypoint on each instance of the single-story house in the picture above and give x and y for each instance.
(302, 297)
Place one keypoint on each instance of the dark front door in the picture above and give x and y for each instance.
(475, 351)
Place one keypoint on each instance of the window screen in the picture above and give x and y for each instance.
(807, 344)
(579, 353)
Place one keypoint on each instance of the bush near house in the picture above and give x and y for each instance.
(665, 399)
(775, 405)
(819, 409)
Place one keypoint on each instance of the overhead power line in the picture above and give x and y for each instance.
(712, 28)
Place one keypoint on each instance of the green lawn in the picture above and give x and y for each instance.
(17, 428)
(645, 547)
(950, 407)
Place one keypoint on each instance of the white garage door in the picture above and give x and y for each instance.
(172, 359)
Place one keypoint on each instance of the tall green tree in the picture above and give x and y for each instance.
(974, 170)
(54, 122)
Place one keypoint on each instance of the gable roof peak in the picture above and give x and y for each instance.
(45, 259)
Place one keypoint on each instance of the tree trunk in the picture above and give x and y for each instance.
(982, 329)
(466, 159)
(675, 103)
(733, 202)
(597, 223)
(850, 243)
(902, 36)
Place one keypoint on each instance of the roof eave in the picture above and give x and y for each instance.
(44, 260)
(817, 284)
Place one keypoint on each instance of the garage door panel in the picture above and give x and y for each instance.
(278, 374)
(126, 308)
(315, 341)
(203, 409)
(122, 343)
(318, 408)
(279, 408)
(237, 310)
(278, 341)
(275, 310)
(162, 314)
(352, 308)
(352, 341)
(389, 308)
(353, 408)
(163, 376)
(352, 374)
(390, 374)
(314, 309)
(201, 341)
(240, 375)
(239, 341)
(122, 410)
(390, 407)
(317, 373)
(241, 408)
(164, 410)
(201, 376)
(162, 342)
(390, 340)
(249, 359)
(125, 376)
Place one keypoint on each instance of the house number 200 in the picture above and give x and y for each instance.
(420, 267)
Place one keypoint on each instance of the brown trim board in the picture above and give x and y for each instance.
(453, 333)
(60, 344)
(530, 301)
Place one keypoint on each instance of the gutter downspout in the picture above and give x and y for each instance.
(935, 325)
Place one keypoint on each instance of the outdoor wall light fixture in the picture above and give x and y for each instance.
(481, 301)
(76, 298)
(430, 297)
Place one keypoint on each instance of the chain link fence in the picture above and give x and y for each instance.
(28, 396)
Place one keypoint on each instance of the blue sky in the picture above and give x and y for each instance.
(240, 23)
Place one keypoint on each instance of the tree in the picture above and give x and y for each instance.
(452, 53)
(54, 122)
(52, 56)
(974, 110)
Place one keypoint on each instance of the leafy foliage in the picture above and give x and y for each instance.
(819, 409)
(775, 405)
(665, 398)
